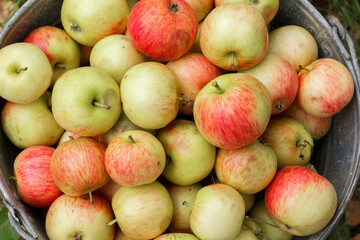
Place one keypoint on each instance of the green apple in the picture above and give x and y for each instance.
(25, 72)
(30, 124)
(86, 101)
(177, 236)
(250, 230)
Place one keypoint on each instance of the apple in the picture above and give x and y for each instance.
(61, 50)
(317, 127)
(30, 124)
(23, 64)
(143, 212)
(196, 45)
(67, 136)
(201, 7)
(217, 213)
(291, 142)
(115, 54)
(77, 166)
(300, 201)
(325, 87)
(102, 18)
(134, 158)
(190, 158)
(75, 218)
(267, 8)
(222, 38)
(260, 215)
(162, 29)
(193, 71)
(119, 235)
(249, 200)
(108, 190)
(232, 110)
(86, 101)
(295, 44)
(33, 179)
(280, 79)
(250, 230)
(180, 222)
(150, 89)
(248, 169)
(177, 236)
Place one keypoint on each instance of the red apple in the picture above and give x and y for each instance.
(162, 29)
(300, 201)
(232, 110)
(33, 178)
(193, 71)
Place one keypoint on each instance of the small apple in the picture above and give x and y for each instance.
(67, 136)
(250, 230)
(25, 72)
(201, 7)
(177, 236)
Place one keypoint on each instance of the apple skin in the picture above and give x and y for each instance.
(280, 79)
(267, 8)
(150, 89)
(177, 236)
(193, 71)
(325, 87)
(291, 142)
(196, 45)
(295, 44)
(86, 101)
(23, 64)
(317, 127)
(190, 158)
(67, 136)
(249, 200)
(61, 50)
(248, 169)
(201, 7)
(87, 29)
(234, 116)
(162, 29)
(300, 201)
(250, 230)
(134, 158)
(85, 52)
(76, 218)
(143, 212)
(33, 179)
(222, 36)
(218, 212)
(180, 222)
(39, 128)
(115, 54)
(108, 190)
(77, 166)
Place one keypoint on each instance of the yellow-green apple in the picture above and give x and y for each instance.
(33, 179)
(119, 235)
(67, 136)
(150, 89)
(193, 71)
(162, 29)
(195, 47)
(180, 222)
(280, 79)
(250, 230)
(291, 142)
(325, 87)
(300, 201)
(249, 200)
(115, 54)
(201, 7)
(77, 166)
(295, 44)
(190, 158)
(108, 190)
(134, 157)
(317, 127)
(232, 110)
(86, 101)
(88, 22)
(76, 218)
(61, 50)
(177, 236)
(222, 38)
(30, 124)
(260, 215)
(267, 8)
(25, 72)
(217, 213)
(248, 169)
(143, 212)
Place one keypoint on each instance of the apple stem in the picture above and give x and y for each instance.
(216, 85)
(257, 233)
(185, 203)
(98, 104)
(75, 27)
(262, 141)
(174, 7)
(233, 60)
(13, 178)
(279, 105)
(109, 224)
(304, 68)
(131, 139)
(60, 65)
(21, 69)
(306, 143)
(90, 196)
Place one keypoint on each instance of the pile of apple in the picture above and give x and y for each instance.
(171, 119)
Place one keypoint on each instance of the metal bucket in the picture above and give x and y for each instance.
(336, 156)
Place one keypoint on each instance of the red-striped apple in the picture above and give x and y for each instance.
(201, 7)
